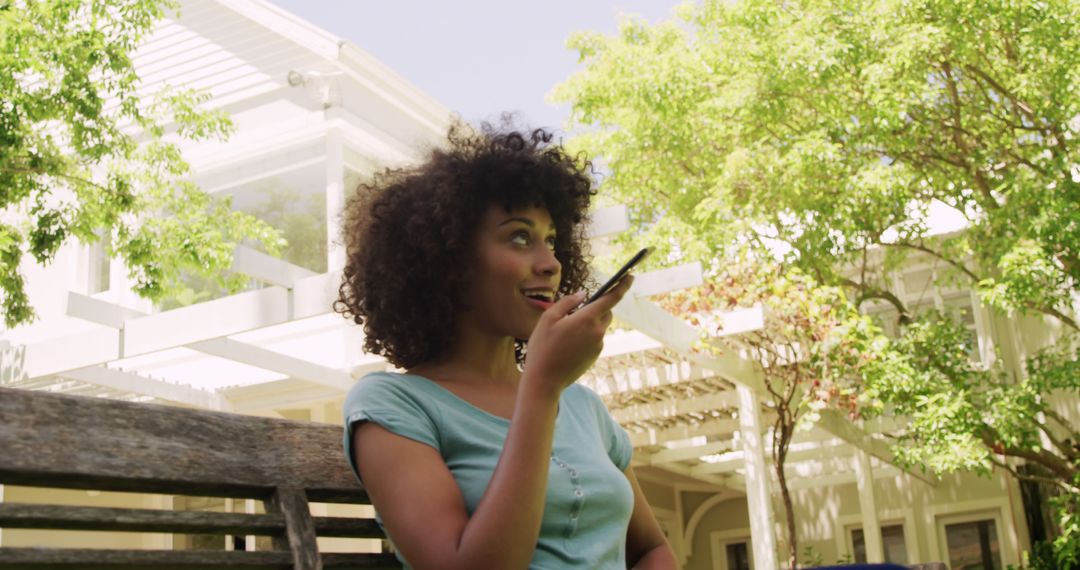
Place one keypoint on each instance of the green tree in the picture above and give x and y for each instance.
(813, 351)
(84, 156)
(825, 132)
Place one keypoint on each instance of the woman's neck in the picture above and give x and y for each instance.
(475, 359)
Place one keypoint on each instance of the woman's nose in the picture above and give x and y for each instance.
(547, 263)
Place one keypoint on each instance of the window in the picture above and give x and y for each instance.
(973, 545)
(737, 555)
(99, 267)
(892, 542)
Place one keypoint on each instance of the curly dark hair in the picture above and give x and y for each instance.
(410, 232)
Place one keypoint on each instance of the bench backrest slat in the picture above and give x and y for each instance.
(153, 448)
(54, 440)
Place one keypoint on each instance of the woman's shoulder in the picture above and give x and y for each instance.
(383, 386)
(584, 396)
(582, 391)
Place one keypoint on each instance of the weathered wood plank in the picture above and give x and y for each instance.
(163, 449)
(16, 515)
(94, 559)
(299, 536)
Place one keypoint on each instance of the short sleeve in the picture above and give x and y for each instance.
(388, 401)
(614, 435)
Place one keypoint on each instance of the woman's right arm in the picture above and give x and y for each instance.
(424, 511)
(421, 505)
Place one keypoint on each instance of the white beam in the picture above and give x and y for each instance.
(620, 342)
(267, 268)
(684, 453)
(52, 356)
(659, 437)
(667, 280)
(654, 321)
(315, 295)
(272, 360)
(137, 384)
(762, 539)
(675, 407)
(205, 321)
(736, 321)
(109, 314)
(835, 422)
(608, 221)
(97, 311)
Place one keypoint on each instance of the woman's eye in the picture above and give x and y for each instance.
(551, 243)
(520, 238)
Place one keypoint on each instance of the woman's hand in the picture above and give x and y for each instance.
(564, 345)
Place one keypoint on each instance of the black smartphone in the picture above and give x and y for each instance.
(638, 257)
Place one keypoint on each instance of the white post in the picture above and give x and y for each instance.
(229, 547)
(762, 526)
(864, 477)
(165, 503)
(249, 540)
(335, 199)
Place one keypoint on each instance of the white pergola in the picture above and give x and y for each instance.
(691, 415)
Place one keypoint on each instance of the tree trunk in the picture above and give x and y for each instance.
(784, 431)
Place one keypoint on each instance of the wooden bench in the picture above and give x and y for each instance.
(72, 442)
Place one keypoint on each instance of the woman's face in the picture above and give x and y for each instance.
(515, 275)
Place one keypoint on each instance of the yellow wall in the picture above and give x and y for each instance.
(83, 539)
(825, 516)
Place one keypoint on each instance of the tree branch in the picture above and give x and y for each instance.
(924, 249)
(866, 292)
(1062, 447)
(1075, 435)
(1055, 464)
(1035, 478)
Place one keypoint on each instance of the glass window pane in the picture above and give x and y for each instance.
(858, 546)
(973, 546)
(99, 266)
(892, 540)
(738, 557)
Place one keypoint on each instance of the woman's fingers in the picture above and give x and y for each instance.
(563, 306)
(608, 301)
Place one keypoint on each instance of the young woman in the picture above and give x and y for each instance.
(465, 271)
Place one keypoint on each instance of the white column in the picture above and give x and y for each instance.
(228, 537)
(762, 526)
(335, 199)
(249, 508)
(864, 478)
(164, 541)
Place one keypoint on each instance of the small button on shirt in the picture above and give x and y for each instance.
(589, 500)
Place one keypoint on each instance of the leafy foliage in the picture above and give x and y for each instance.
(813, 350)
(84, 154)
(836, 136)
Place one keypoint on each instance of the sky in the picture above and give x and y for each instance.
(479, 58)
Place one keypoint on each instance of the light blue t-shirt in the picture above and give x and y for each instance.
(589, 500)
